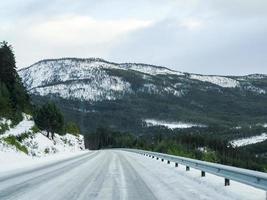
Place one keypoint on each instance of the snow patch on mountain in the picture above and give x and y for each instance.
(217, 80)
(254, 89)
(256, 76)
(150, 69)
(171, 125)
(74, 79)
(110, 89)
(153, 89)
(249, 140)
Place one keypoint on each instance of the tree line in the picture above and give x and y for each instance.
(205, 147)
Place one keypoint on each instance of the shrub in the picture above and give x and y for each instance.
(12, 140)
(35, 129)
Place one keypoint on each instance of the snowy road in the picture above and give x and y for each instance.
(114, 174)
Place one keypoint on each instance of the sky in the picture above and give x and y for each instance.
(224, 37)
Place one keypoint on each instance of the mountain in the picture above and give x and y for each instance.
(136, 97)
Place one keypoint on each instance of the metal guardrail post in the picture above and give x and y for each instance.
(203, 174)
(226, 182)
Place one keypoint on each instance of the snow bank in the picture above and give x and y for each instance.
(171, 125)
(37, 145)
(249, 140)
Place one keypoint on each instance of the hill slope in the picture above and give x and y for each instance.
(94, 92)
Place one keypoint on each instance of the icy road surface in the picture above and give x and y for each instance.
(115, 174)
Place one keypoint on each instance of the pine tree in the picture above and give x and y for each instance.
(50, 119)
(16, 94)
(8, 74)
(5, 105)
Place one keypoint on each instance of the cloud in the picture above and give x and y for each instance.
(211, 37)
(220, 46)
(192, 24)
(84, 29)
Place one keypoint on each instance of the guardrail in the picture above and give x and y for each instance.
(245, 176)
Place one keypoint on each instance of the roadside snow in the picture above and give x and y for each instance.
(171, 125)
(250, 140)
(16, 160)
(39, 146)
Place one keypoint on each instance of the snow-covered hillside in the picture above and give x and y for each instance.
(95, 79)
(217, 80)
(25, 142)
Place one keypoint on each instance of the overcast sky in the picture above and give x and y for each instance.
(207, 37)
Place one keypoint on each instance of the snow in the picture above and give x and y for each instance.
(73, 79)
(62, 70)
(256, 76)
(110, 88)
(115, 174)
(255, 89)
(151, 70)
(171, 125)
(90, 80)
(24, 126)
(153, 89)
(16, 161)
(217, 80)
(85, 79)
(249, 140)
(37, 145)
(5, 121)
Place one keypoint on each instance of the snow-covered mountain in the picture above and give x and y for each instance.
(121, 95)
(95, 79)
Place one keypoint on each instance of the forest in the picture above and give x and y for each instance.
(201, 146)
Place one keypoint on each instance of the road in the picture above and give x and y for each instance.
(110, 174)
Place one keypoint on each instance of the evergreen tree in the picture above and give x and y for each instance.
(5, 105)
(8, 74)
(50, 119)
(72, 128)
(13, 96)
